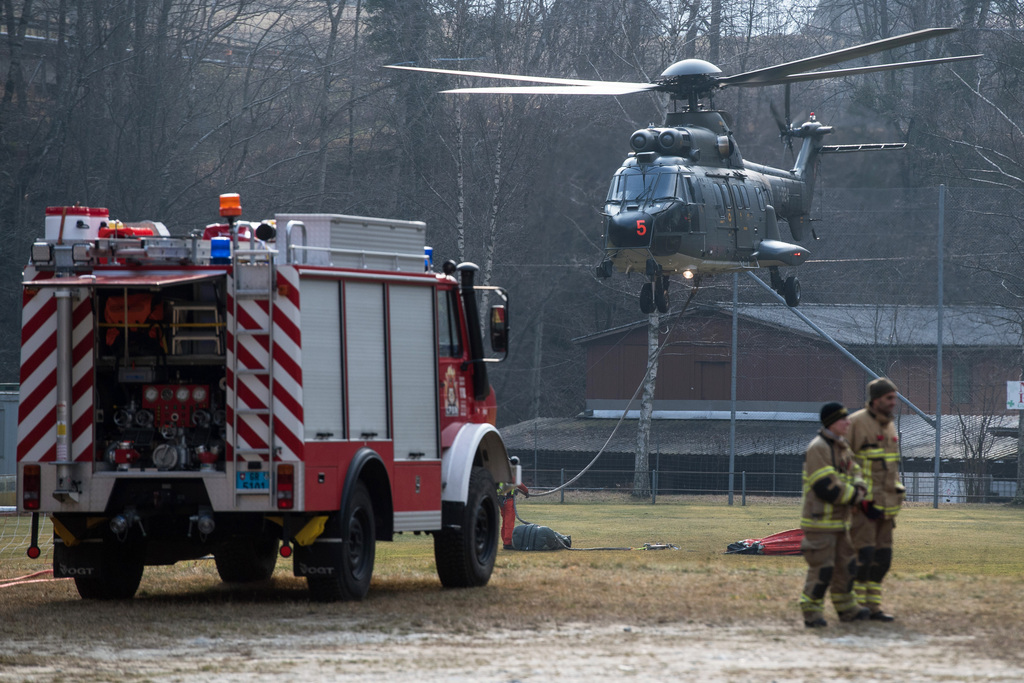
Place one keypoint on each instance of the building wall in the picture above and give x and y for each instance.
(777, 369)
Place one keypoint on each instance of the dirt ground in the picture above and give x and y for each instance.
(325, 646)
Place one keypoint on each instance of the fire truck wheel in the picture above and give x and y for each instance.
(354, 563)
(465, 552)
(247, 560)
(122, 568)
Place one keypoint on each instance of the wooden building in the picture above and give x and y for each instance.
(783, 366)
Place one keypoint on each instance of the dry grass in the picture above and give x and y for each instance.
(957, 569)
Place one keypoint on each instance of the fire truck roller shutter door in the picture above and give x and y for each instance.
(366, 355)
(322, 355)
(414, 372)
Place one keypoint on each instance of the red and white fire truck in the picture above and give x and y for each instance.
(303, 386)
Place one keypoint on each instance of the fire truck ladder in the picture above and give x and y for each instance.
(255, 275)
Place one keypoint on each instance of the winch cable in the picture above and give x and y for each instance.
(645, 546)
(679, 316)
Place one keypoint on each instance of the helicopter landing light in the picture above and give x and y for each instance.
(688, 274)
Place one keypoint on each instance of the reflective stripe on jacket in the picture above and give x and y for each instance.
(876, 447)
(830, 478)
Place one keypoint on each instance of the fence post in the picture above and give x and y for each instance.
(744, 498)
(561, 482)
(654, 487)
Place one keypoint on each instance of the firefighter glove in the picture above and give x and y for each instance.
(859, 492)
(871, 511)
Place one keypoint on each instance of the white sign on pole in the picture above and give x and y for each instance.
(1015, 395)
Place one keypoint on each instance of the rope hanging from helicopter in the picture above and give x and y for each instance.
(661, 347)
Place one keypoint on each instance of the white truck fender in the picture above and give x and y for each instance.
(457, 461)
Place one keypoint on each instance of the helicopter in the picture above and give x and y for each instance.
(685, 201)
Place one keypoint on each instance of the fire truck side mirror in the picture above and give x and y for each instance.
(499, 329)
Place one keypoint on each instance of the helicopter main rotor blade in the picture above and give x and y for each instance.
(609, 88)
(853, 71)
(515, 77)
(776, 74)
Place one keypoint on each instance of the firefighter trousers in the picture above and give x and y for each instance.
(831, 564)
(872, 539)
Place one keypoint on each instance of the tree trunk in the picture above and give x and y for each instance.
(641, 466)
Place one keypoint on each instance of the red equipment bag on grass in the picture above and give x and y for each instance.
(782, 543)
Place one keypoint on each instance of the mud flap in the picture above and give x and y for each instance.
(320, 558)
(84, 560)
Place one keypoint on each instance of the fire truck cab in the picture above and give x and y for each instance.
(303, 386)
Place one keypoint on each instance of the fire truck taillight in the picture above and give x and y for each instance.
(31, 485)
(230, 205)
(285, 487)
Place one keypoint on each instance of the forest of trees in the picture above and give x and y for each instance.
(154, 107)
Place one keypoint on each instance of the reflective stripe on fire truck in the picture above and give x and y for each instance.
(254, 355)
(37, 421)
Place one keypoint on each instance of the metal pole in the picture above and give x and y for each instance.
(561, 484)
(824, 335)
(654, 487)
(938, 350)
(732, 387)
(744, 503)
(535, 481)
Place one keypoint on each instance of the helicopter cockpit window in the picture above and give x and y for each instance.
(637, 186)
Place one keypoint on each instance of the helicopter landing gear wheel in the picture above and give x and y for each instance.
(791, 290)
(647, 298)
(661, 294)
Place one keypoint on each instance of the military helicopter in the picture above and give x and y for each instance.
(685, 201)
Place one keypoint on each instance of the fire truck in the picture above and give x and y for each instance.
(303, 386)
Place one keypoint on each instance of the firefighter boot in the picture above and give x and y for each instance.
(812, 609)
(847, 607)
(873, 599)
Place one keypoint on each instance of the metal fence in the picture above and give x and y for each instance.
(953, 488)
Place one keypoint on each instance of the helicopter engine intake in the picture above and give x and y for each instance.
(664, 141)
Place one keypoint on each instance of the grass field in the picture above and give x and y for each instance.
(956, 587)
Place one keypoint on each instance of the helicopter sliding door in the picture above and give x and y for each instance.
(743, 212)
(730, 211)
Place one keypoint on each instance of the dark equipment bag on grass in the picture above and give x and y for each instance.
(536, 537)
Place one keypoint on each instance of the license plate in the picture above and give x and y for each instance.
(252, 481)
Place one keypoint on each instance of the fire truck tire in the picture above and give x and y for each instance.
(247, 560)
(121, 574)
(354, 567)
(465, 553)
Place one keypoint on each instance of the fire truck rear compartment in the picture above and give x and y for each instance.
(160, 377)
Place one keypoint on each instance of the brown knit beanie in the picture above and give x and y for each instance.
(880, 387)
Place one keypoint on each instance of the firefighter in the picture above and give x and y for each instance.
(875, 446)
(832, 485)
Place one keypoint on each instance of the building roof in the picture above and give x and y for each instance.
(857, 324)
(871, 325)
(704, 437)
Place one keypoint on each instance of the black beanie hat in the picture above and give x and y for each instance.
(830, 412)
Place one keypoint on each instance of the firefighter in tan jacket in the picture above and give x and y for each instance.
(875, 445)
(831, 487)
